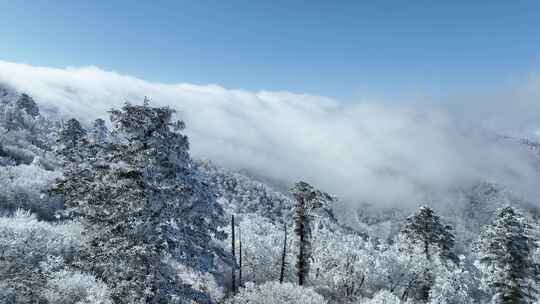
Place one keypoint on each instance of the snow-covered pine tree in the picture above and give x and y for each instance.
(142, 205)
(71, 145)
(424, 231)
(99, 132)
(505, 251)
(308, 199)
(19, 112)
(11, 117)
(72, 133)
(27, 103)
(24, 133)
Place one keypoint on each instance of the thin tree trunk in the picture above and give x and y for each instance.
(240, 256)
(362, 282)
(233, 251)
(301, 231)
(283, 255)
(426, 250)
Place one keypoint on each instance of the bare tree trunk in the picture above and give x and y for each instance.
(233, 251)
(301, 232)
(240, 256)
(283, 255)
(426, 250)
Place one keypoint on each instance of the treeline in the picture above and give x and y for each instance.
(419, 265)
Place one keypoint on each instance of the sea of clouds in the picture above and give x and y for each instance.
(387, 154)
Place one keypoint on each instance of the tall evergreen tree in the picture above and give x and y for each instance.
(425, 231)
(142, 205)
(20, 114)
(71, 144)
(308, 199)
(28, 104)
(505, 250)
(99, 132)
(72, 134)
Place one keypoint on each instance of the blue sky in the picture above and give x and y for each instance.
(341, 49)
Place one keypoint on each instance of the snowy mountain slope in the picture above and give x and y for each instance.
(26, 133)
(241, 194)
(351, 242)
(246, 196)
(27, 162)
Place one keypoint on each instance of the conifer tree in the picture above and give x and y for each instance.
(424, 230)
(505, 250)
(72, 133)
(308, 199)
(28, 104)
(142, 205)
(99, 132)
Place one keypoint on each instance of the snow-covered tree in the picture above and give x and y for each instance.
(72, 133)
(342, 264)
(453, 285)
(425, 229)
(33, 254)
(27, 103)
(505, 253)
(23, 187)
(201, 281)
(99, 132)
(262, 249)
(308, 199)
(381, 297)
(399, 271)
(240, 194)
(142, 202)
(67, 287)
(24, 132)
(276, 293)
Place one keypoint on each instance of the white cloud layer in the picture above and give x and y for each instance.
(382, 154)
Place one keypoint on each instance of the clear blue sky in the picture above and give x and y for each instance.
(334, 48)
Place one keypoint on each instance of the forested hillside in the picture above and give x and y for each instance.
(118, 211)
